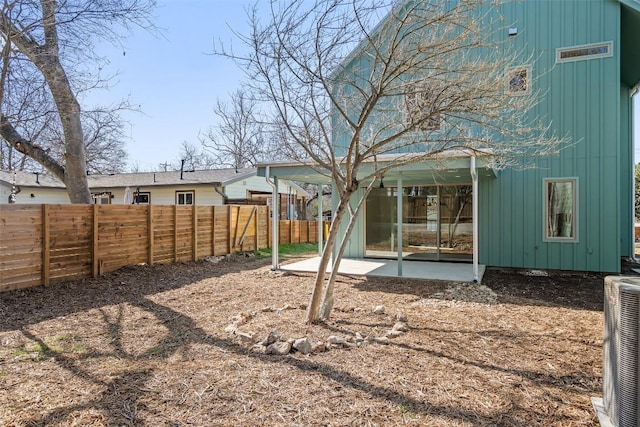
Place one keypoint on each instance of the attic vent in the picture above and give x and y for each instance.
(580, 53)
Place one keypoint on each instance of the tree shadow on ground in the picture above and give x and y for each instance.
(575, 290)
(119, 402)
(22, 307)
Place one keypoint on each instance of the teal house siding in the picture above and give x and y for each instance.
(585, 102)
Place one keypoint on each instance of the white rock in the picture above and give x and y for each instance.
(303, 345)
(401, 326)
(381, 340)
(245, 338)
(231, 329)
(258, 348)
(393, 334)
(378, 309)
(336, 340)
(279, 348)
(271, 338)
(319, 347)
(401, 316)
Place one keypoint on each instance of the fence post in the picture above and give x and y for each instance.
(45, 245)
(291, 231)
(213, 231)
(150, 236)
(229, 231)
(95, 271)
(175, 233)
(195, 232)
(255, 221)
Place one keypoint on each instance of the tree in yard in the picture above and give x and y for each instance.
(40, 113)
(240, 140)
(192, 158)
(362, 99)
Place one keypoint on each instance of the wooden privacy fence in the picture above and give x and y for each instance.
(43, 244)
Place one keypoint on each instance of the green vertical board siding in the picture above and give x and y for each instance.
(626, 174)
(583, 102)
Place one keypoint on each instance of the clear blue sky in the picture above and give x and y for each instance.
(175, 81)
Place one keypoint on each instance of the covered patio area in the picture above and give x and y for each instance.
(448, 271)
(416, 213)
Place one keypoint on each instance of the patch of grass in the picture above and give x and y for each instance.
(289, 249)
(156, 350)
(37, 351)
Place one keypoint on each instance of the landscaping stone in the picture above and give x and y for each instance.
(303, 345)
(336, 340)
(401, 327)
(271, 338)
(258, 348)
(279, 348)
(245, 338)
(393, 334)
(378, 309)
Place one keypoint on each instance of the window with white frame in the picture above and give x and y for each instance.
(103, 198)
(421, 106)
(584, 52)
(184, 197)
(518, 80)
(560, 209)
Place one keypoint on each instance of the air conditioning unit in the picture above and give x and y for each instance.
(621, 378)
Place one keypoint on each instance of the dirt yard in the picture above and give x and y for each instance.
(153, 346)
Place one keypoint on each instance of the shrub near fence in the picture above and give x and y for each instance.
(43, 244)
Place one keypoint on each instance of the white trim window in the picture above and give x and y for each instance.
(103, 198)
(519, 80)
(584, 52)
(560, 209)
(185, 198)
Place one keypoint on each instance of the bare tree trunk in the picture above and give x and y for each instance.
(313, 314)
(327, 303)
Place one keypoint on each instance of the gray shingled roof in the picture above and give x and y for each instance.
(220, 177)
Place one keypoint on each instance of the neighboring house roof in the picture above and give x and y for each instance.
(220, 177)
(217, 177)
(30, 179)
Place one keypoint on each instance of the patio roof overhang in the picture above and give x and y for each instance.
(450, 167)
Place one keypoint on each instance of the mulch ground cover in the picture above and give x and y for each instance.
(174, 345)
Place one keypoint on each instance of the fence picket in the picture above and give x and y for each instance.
(43, 244)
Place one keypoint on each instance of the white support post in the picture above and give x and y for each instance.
(474, 177)
(399, 222)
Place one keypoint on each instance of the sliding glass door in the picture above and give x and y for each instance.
(436, 222)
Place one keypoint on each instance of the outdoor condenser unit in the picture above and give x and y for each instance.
(621, 379)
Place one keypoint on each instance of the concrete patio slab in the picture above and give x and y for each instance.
(427, 270)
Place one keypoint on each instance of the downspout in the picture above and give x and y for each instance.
(474, 191)
(221, 192)
(274, 220)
